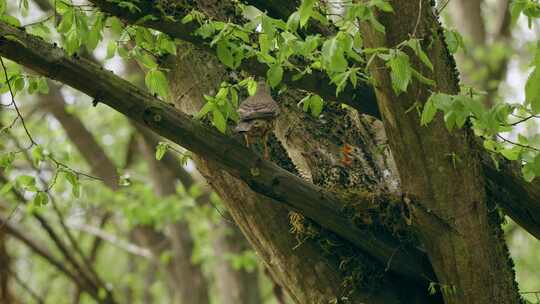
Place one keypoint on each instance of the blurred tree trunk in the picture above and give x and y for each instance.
(6, 296)
(185, 278)
(452, 191)
(235, 286)
(478, 65)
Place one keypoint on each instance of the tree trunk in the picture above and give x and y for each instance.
(185, 280)
(234, 286)
(301, 268)
(441, 170)
(5, 291)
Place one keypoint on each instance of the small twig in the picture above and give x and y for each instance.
(522, 119)
(418, 18)
(39, 21)
(19, 115)
(517, 144)
(122, 244)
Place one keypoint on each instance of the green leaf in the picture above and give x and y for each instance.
(453, 40)
(3, 6)
(512, 153)
(251, 87)
(265, 43)
(428, 112)
(67, 21)
(415, 45)
(7, 159)
(316, 104)
(187, 18)
(274, 75)
(157, 83)
(268, 26)
(225, 54)
(400, 72)
(43, 87)
(26, 182)
(305, 11)
(531, 169)
(37, 155)
(10, 20)
(234, 97)
(94, 37)
(166, 44)
(209, 106)
(516, 7)
(218, 120)
(161, 149)
(333, 55)
(111, 49)
(423, 79)
(41, 199)
(146, 60)
(532, 90)
(6, 188)
(73, 179)
(293, 22)
(383, 5)
(305, 102)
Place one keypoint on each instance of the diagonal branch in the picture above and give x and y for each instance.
(262, 176)
(116, 241)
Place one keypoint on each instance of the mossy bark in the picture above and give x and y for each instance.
(441, 168)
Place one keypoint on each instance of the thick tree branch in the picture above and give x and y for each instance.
(262, 176)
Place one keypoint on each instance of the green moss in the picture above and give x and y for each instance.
(378, 211)
(360, 272)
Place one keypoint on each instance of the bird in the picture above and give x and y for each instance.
(257, 115)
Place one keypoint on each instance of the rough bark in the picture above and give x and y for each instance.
(453, 200)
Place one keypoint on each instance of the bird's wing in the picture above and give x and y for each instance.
(256, 108)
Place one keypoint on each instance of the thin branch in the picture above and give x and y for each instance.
(14, 103)
(517, 144)
(114, 240)
(26, 288)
